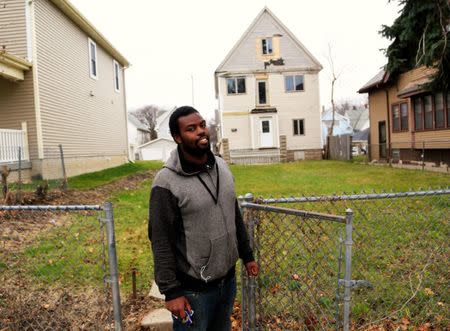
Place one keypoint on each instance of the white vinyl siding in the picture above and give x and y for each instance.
(86, 116)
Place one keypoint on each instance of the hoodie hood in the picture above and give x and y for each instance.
(177, 163)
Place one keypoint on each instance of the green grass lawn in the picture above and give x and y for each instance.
(131, 209)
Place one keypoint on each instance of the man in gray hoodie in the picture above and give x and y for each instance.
(196, 229)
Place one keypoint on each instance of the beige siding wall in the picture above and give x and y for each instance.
(377, 113)
(297, 105)
(85, 115)
(13, 35)
(17, 106)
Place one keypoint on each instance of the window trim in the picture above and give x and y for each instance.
(400, 128)
(298, 120)
(294, 90)
(116, 75)
(91, 74)
(236, 84)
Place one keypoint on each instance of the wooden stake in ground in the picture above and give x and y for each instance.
(5, 173)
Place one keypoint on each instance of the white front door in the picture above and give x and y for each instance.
(265, 129)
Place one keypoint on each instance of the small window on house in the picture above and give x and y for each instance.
(440, 112)
(93, 67)
(400, 117)
(267, 46)
(294, 83)
(236, 85)
(116, 69)
(418, 114)
(428, 107)
(299, 127)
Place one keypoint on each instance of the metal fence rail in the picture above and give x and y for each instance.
(58, 270)
(303, 282)
(400, 274)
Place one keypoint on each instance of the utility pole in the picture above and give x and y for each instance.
(192, 84)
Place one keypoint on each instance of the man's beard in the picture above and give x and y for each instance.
(196, 151)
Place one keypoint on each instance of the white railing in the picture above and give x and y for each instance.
(11, 141)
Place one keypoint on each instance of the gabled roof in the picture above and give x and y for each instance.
(138, 124)
(156, 141)
(265, 10)
(70, 11)
(161, 118)
(377, 81)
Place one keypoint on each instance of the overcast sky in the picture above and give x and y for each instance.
(174, 45)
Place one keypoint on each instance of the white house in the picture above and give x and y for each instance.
(268, 86)
(138, 134)
(159, 149)
(342, 124)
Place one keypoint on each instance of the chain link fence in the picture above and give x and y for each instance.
(400, 271)
(303, 265)
(58, 268)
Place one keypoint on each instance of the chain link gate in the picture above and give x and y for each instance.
(305, 269)
(58, 271)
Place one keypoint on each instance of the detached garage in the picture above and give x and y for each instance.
(158, 149)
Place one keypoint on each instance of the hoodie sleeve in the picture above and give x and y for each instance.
(245, 251)
(163, 215)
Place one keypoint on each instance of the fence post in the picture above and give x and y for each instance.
(64, 185)
(243, 275)
(251, 280)
(19, 184)
(112, 258)
(348, 268)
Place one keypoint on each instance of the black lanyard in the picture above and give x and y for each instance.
(215, 198)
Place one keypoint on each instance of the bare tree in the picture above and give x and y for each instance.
(334, 78)
(147, 115)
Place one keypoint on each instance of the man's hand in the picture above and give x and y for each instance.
(252, 268)
(177, 305)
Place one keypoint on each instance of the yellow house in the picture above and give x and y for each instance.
(407, 122)
(61, 83)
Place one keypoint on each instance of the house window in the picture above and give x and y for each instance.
(400, 117)
(294, 83)
(432, 111)
(116, 69)
(299, 127)
(267, 46)
(428, 107)
(448, 110)
(93, 67)
(236, 85)
(440, 111)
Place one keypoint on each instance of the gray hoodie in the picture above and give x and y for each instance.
(195, 226)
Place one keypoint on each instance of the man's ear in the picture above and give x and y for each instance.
(177, 138)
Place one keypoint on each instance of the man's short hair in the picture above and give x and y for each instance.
(179, 112)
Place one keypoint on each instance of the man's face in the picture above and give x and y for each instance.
(194, 135)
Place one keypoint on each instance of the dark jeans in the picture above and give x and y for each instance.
(212, 308)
